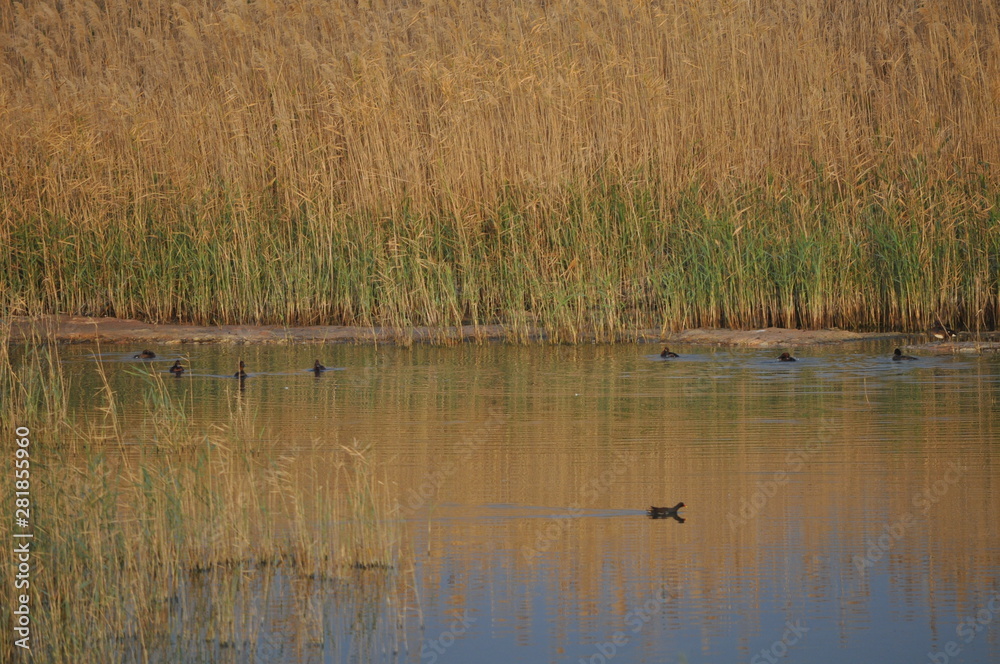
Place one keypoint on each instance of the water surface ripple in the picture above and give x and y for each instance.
(840, 508)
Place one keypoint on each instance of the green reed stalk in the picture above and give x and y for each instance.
(595, 171)
(615, 262)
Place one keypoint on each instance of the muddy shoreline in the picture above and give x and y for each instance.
(82, 329)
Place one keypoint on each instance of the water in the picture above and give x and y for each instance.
(840, 508)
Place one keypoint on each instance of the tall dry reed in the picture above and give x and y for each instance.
(540, 163)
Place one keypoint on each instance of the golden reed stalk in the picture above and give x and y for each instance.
(136, 121)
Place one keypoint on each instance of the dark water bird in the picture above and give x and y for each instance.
(664, 512)
(145, 355)
(177, 369)
(665, 353)
(898, 355)
(240, 374)
(942, 332)
(786, 357)
(318, 368)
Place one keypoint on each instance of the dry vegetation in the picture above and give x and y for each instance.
(176, 543)
(575, 165)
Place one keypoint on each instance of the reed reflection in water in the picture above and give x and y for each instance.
(840, 508)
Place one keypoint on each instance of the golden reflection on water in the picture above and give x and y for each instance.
(844, 490)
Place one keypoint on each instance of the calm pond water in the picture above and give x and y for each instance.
(841, 508)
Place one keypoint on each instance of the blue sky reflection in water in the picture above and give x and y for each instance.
(840, 508)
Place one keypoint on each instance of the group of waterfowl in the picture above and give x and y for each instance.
(940, 332)
(897, 355)
(666, 353)
(178, 369)
(653, 512)
(316, 368)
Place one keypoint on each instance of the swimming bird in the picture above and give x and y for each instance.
(664, 512)
(665, 353)
(177, 369)
(240, 374)
(898, 355)
(785, 357)
(317, 367)
(940, 331)
(145, 355)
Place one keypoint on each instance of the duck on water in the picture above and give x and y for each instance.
(941, 332)
(664, 512)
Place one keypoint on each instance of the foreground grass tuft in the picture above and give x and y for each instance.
(175, 545)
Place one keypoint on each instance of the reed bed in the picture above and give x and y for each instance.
(178, 544)
(574, 166)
